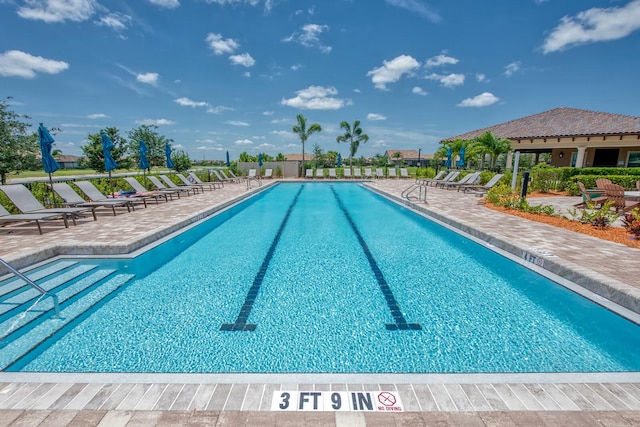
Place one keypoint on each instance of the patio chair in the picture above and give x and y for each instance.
(480, 190)
(268, 173)
(379, 173)
(163, 188)
(593, 196)
(615, 194)
(232, 175)
(222, 178)
(332, 173)
(320, 173)
(7, 218)
(357, 173)
(367, 173)
(140, 190)
(309, 174)
(404, 173)
(212, 185)
(391, 172)
(469, 179)
(171, 184)
(73, 199)
(438, 176)
(92, 192)
(346, 173)
(602, 182)
(26, 202)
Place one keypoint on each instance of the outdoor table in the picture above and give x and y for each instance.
(632, 195)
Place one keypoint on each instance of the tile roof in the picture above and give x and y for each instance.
(404, 154)
(298, 156)
(560, 122)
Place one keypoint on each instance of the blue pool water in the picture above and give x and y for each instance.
(319, 277)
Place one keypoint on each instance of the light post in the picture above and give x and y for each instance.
(419, 152)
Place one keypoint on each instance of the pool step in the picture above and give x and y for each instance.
(21, 298)
(19, 345)
(10, 285)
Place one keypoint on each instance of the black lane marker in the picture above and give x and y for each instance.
(241, 321)
(398, 317)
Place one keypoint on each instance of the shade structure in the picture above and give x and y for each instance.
(144, 162)
(260, 160)
(448, 162)
(461, 160)
(167, 152)
(107, 145)
(339, 160)
(228, 162)
(46, 140)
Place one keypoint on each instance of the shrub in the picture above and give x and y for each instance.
(631, 222)
(598, 217)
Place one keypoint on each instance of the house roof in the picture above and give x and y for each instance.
(404, 154)
(68, 158)
(560, 122)
(298, 156)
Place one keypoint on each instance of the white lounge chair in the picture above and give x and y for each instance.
(404, 173)
(346, 173)
(320, 173)
(392, 173)
(195, 180)
(438, 176)
(171, 184)
(309, 174)
(367, 173)
(449, 178)
(268, 173)
(379, 173)
(332, 173)
(161, 187)
(221, 178)
(469, 179)
(482, 189)
(357, 173)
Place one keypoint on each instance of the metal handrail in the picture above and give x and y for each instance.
(56, 304)
(418, 185)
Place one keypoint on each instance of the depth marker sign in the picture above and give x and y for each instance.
(362, 401)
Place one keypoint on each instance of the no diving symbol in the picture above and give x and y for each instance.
(386, 398)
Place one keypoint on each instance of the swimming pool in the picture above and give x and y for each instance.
(321, 277)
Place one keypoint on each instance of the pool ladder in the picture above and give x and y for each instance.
(421, 187)
(56, 304)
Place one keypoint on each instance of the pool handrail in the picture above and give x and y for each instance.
(56, 304)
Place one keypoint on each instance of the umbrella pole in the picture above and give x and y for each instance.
(53, 195)
(111, 183)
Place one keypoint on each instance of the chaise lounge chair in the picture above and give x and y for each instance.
(391, 172)
(332, 173)
(7, 218)
(451, 176)
(404, 173)
(26, 202)
(357, 173)
(379, 173)
(438, 176)
(480, 190)
(346, 173)
(92, 192)
(320, 173)
(171, 184)
(469, 179)
(194, 180)
(139, 188)
(309, 174)
(268, 173)
(163, 188)
(222, 178)
(73, 199)
(367, 173)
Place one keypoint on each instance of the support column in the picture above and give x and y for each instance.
(581, 156)
(509, 163)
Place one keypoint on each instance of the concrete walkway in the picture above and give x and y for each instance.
(603, 268)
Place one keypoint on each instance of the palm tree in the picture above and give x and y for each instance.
(493, 145)
(304, 133)
(354, 136)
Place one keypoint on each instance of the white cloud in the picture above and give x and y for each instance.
(285, 134)
(268, 113)
(58, 10)
(236, 123)
(310, 37)
(20, 64)
(268, 4)
(316, 98)
(296, 67)
(392, 71)
(594, 25)
(511, 68)
(97, 116)
(483, 100)
(116, 21)
(416, 7)
(441, 59)
(418, 91)
(481, 77)
(219, 109)
(243, 142)
(375, 116)
(244, 59)
(220, 45)
(148, 78)
(186, 102)
(169, 4)
(157, 122)
(447, 80)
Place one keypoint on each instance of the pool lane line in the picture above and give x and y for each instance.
(400, 323)
(241, 321)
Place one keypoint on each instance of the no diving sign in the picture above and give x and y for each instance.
(365, 401)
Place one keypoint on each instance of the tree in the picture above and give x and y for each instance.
(492, 145)
(304, 133)
(354, 136)
(318, 154)
(18, 148)
(93, 150)
(396, 156)
(280, 157)
(181, 161)
(155, 143)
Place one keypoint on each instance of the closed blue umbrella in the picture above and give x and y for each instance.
(109, 163)
(339, 160)
(48, 162)
(228, 162)
(448, 162)
(144, 162)
(461, 161)
(260, 160)
(167, 152)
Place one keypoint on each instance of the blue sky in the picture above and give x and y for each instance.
(218, 75)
